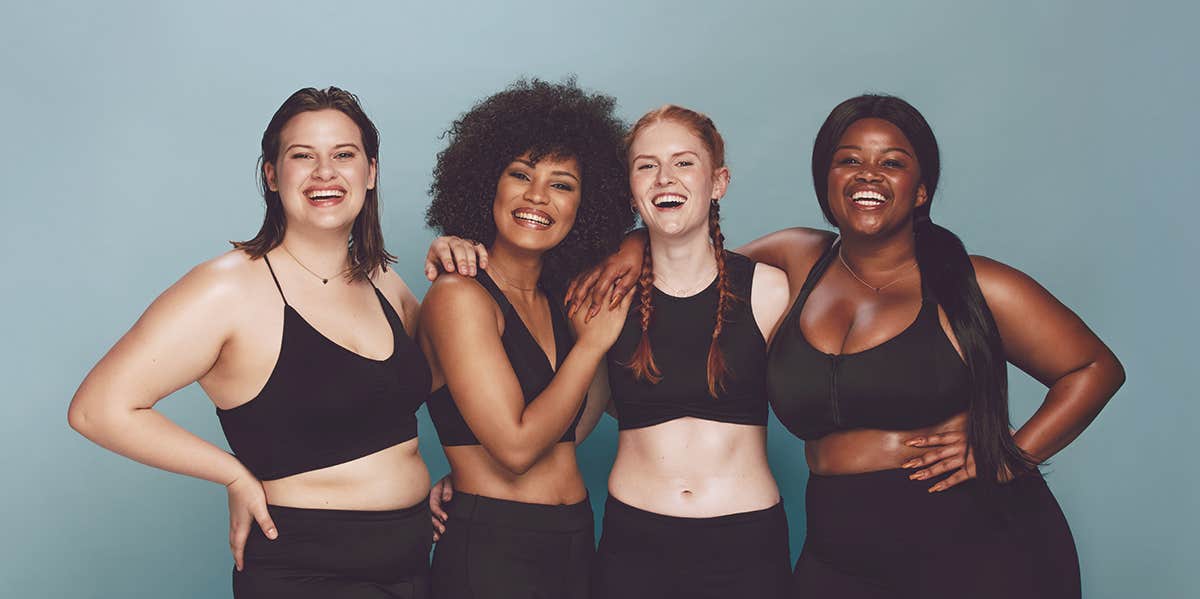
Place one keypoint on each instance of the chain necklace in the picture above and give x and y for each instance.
(868, 285)
(324, 280)
(503, 279)
(687, 291)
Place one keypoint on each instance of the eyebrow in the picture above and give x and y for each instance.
(885, 150)
(345, 145)
(676, 154)
(532, 165)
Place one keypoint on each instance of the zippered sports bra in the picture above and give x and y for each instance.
(528, 362)
(913, 380)
(323, 404)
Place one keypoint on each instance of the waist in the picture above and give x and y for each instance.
(469, 507)
(694, 468)
(554, 479)
(869, 450)
(388, 479)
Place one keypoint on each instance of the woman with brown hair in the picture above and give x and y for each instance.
(301, 337)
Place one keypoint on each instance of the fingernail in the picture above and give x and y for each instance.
(909, 464)
(272, 534)
(919, 475)
(912, 442)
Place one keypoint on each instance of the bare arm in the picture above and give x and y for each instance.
(793, 250)
(1049, 342)
(460, 324)
(598, 398)
(176, 341)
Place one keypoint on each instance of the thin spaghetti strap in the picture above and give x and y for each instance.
(274, 278)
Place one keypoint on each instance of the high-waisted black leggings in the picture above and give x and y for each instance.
(322, 554)
(499, 549)
(647, 555)
(879, 535)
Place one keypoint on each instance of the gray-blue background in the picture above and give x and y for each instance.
(129, 136)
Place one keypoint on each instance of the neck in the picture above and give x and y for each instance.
(515, 270)
(683, 262)
(871, 255)
(324, 252)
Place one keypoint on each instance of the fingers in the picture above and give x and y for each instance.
(945, 465)
(937, 439)
(263, 517)
(941, 453)
(581, 287)
(622, 288)
(439, 529)
(440, 253)
(959, 477)
(239, 529)
(464, 256)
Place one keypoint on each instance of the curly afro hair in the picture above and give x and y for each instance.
(545, 120)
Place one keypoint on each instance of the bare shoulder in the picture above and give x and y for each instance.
(399, 294)
(808, 240)
(222, 281)
(769, 282)
(1000, 281)
(456, 296)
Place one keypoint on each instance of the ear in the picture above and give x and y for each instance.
(269, 175)
(720, 182)
(371, 176)
(922, 196)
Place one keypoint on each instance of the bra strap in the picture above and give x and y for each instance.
(274, 278)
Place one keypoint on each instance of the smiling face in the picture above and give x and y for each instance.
(322, 174)
(673, 178)
(874, 179)
(535, 203)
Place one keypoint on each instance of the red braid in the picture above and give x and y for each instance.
(642, 362)
(716, 359)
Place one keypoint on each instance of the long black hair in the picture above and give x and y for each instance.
(948, 274)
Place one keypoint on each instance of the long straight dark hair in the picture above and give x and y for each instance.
(366, 235)
(947, 272)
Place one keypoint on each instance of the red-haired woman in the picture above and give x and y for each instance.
(301, 339)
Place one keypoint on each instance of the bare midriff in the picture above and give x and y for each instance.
(870, 450)
(694, 468)
(553, 480)
(389, 479)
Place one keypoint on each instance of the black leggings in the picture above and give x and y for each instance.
(499, 549)
(339, 554)
(647, 555)
(879, 535)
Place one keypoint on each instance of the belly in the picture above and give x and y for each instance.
(694, 468)
(554, 480)
(869, 450)
(389, 479)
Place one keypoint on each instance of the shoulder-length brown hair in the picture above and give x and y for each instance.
(366, 236)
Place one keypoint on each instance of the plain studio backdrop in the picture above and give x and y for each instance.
(130, 133)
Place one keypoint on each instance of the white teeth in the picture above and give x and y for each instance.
(869, 195)
(320, 194)
(532, 218)
(670, 199)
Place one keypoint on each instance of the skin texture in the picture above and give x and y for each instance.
(519, 458)
(1040, 335)
(221, 325)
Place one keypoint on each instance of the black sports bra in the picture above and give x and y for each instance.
(324, 404)
(912, 380)
(528, 361)
(680, 334)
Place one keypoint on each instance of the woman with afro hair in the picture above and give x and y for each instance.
(534, 174)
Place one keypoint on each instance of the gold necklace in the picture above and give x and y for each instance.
(324, 280)
(687, 291)
(868, 285)
(503, 279)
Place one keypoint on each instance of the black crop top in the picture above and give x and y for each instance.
(912, 380)
(528, 362)
(680, 334)
(324, 404)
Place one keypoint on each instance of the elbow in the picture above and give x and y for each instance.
(79, 419)
(516, 460)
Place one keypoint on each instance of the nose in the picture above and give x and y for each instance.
(868, 175)
(324, 169)
(535, 194)
(664, 177)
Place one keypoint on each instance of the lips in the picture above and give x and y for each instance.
(532, 218)
(668, 201)
(325, 196)
(868, 199)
